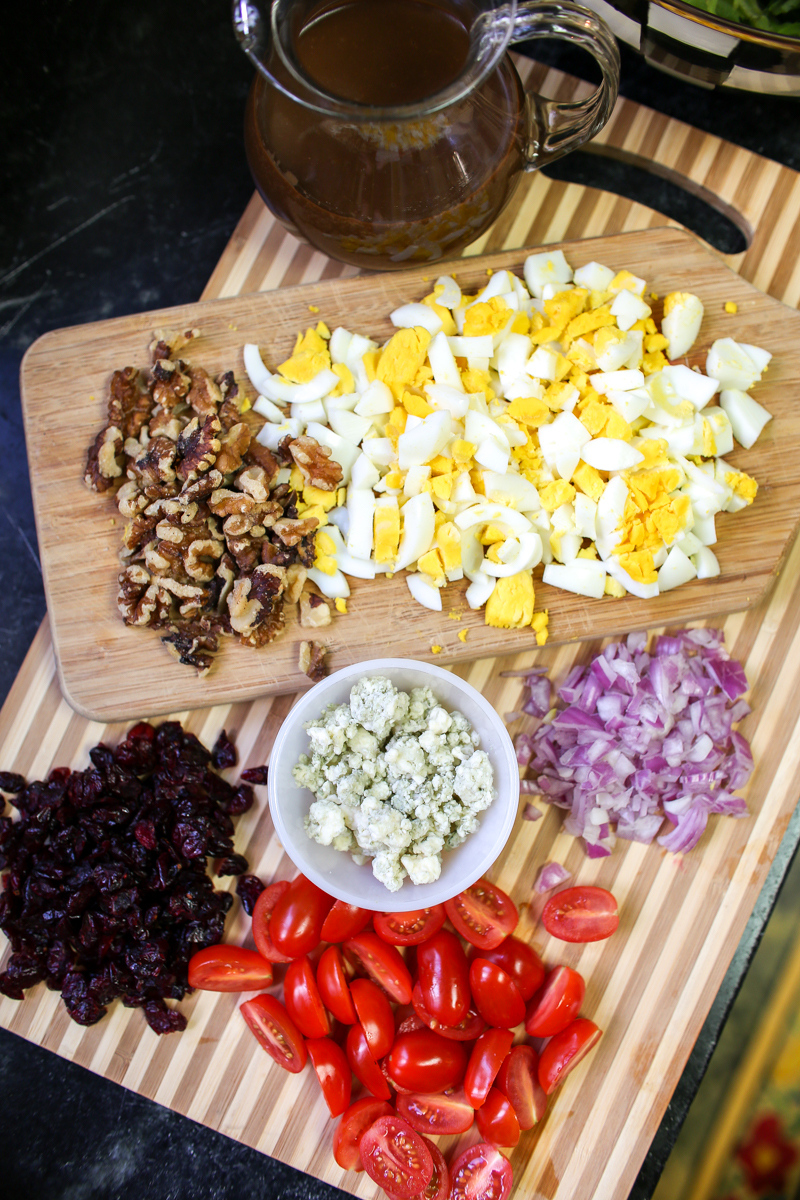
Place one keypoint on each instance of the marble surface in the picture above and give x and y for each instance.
(124, 177)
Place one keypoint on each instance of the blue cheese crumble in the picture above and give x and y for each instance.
(396, 778)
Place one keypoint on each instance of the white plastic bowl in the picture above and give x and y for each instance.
(334, 870)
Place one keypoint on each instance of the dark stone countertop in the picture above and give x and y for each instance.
(125, 176)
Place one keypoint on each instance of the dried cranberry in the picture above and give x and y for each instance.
(248, 889)
(145, 834)
(242, 800)
(11, 782)
(223, 754)
(234, 864)
(256, 774)
(162, 1019)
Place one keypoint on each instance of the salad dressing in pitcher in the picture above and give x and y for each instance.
(386, 132)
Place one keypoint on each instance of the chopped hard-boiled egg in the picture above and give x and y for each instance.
(544, 422)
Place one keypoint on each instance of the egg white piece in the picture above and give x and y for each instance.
(443, 363)
(479, 590)
(705, 563)
(548, 267)
(349, 425)
(269, 410)
(645, 591)
(507, 488)
(746, 415)
(412, 316)
(379, 450)
(524, 554)
(447, 399)
(563, 437)
(677, 569)
(731, 364)
(484, 513)
(690, 385)
(364, 473)
(582, 576)
(424, 593)
(257, 373)
(630, 405)
(333, 586)
(418, 530)
(415, 480)
(585, 516)
(375, 401)
(340, 344)
(272, 435)
(621, 381)
(342, 450)
(594, 276)
(312, 410)
(346, 403)
(681, 324)
(451, 296)
(423, 440)
(493, 455)
(542, 364)
(628, 309)
(611, 454)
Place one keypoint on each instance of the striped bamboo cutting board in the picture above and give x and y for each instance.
(651, 985)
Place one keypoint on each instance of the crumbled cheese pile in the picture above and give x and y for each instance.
(539, 422)
(397, 779)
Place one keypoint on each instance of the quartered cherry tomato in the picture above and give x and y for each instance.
(497, 1122)
(333, 1072)
(497, 997)
(363, 1065)
(375, 1015)
(276, 1032)
(518, 1079)
(333, 986)
(358, 1117)
(395, 1157)
(484, 1063)
(229, 969)
(467, 1030)
(424, 1061)
(262, 915)
(406, 1020)
(344, 921)
(556, 1003)
(481, 1173)
(303, 1000)
(439, 1186)
(297, 918)
(436, 1113)
(519, 960)
(483, 914)
(409, 928)
(564, 1051)
(444, 977)
(581, 914)
(382, 962)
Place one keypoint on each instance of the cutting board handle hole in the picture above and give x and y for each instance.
(658, 187)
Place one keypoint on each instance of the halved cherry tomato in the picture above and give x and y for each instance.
(229, 969)
(425, 1062)
(555, 1004)
(519, 960)
(467, 1030)
(481, 1173)
(496, 1119)
(363, 1065)
(581, 914)
(496, 995)
(444, 977)
(396, 1157)
(344, 921)
(382, 963)
(436, 1113)
(483, 914)
(262, 915)
(333, 987)
(333, 1072)
(409, 928)
(406, 1020)
(298, 917)
(518, 1078)
(484, 1063)
(439, 1186)
(358, 1117)
(375, 1014)
(276, 1032)
(564, 1051)
(303, 1000)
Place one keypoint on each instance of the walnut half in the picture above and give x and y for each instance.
(312, 660)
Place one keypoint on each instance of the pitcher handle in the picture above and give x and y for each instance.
(557, 128)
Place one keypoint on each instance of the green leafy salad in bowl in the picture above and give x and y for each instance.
(773, 16)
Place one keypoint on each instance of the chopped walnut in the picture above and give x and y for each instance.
(315, 463)
(314, 611)
(312, 660)
(103, 463)
(211, 546)
(291, 531)
(233, 447)
(198, 447)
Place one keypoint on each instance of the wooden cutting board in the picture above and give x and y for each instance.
(109, 671)
(651, 985)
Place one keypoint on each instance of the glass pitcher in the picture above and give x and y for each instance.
(391, 132)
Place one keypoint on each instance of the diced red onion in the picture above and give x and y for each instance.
(642, 736)
(531, 813)
(550, 876)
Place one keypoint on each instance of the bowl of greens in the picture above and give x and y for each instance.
(753, 45)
